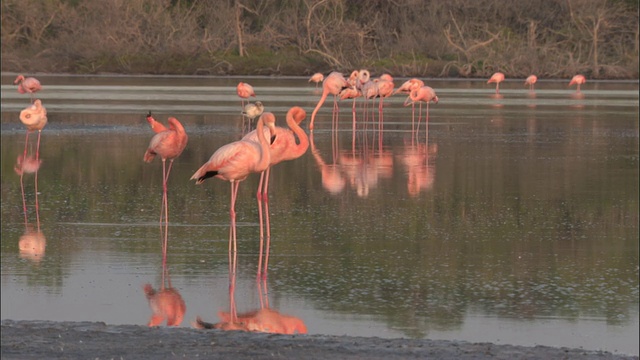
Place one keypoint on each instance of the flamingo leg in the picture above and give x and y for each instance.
(267, 223)
(36, 181)
(260, 217)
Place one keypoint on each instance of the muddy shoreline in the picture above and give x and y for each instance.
(95, 340)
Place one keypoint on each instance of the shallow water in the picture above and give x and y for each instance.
(515, 222)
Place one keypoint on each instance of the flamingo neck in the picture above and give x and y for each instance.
(325, 93)
(302, 147)
(265, 157)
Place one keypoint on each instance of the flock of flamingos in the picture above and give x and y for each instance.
(256, 152)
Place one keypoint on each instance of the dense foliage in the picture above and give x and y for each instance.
(455, 38)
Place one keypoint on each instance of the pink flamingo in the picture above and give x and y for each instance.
(282, 148)
(233, 162)
(29, 85)
(578, 80)
(426, 94)
(316, 78)
(406, 88)
(244, 91)
(169, 144)
(332, 84)
(34, 117)
(531, 80)
(496, 78)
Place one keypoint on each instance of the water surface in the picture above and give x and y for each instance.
(514, 222)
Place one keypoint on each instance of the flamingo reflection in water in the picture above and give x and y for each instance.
(283, 147)
(418, 162)
(32, 244)
(166, 303)
(265, 319)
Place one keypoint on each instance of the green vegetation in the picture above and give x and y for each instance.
(458, 38)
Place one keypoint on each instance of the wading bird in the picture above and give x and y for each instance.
(233, 162)
(29, 85)
(168, 144)
(496, 78)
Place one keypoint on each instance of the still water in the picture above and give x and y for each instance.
(513, 221)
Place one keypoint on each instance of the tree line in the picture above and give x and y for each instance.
(424, 38)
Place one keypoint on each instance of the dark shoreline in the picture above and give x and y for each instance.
(96, 340)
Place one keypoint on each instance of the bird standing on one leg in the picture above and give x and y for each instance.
(169, 144)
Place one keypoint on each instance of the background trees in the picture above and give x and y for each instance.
(552, 38)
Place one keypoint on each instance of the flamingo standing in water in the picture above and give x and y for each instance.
(406, 88)
(283, 148)
(333, 84)
(169, 144)
(496, 78)
(578, 80)
(425, 94)
(28, 85)
(316, 78)
(252, 111)
(233, 162)
(531, 80)
(244, 91)
(34, 117)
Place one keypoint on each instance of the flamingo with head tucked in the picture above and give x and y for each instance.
(496, 78)
(168, 144)
(531, 80)
(316, 78)
(244, 91)
(28, 85)
(578, 80)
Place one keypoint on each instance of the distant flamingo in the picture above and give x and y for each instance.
(424, 94)
(283, 148)
(332, 84)
(29, 85)
(244, 91)
(169, 144)
(34, 117)
(496, 78)
(578, 80)
(316, 78)
(233, 162)
(406, 88)
(252, 111)
(531, 80)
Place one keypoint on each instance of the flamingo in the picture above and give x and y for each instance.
(233, 162)
(316, 78)
(252, 111)
(406, 88)
(332, 84)
(169, 144)
(578, 80)
(244, 91)
(282, 148)
(426, 94)
(496, 78)
(34, 117)
(531, 80)
(29, 85)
